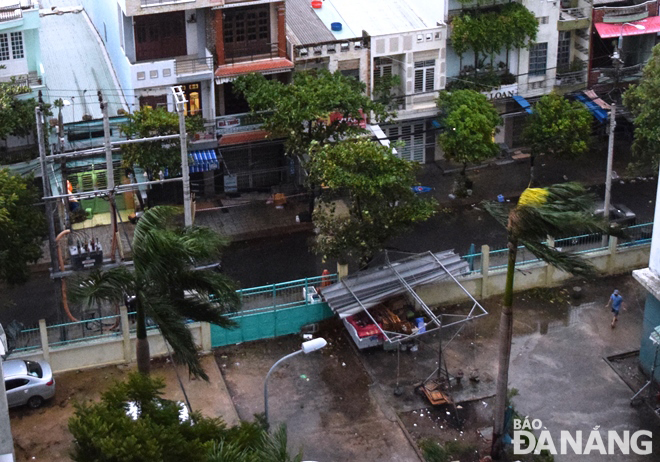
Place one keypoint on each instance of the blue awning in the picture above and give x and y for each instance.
(599, 113)
(203, 161)
(523, 103)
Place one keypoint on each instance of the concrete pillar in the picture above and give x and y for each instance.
(205, 336)
(6, 438)
(219, 37)
(125, 333)
(485, 265)
(611, 264)
(43, 334)
(281, 30)
(342, 270)
(549, 269)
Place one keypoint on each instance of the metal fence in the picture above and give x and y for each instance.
(637, 235)
(284, 295)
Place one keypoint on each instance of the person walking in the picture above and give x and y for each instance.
(616, 301)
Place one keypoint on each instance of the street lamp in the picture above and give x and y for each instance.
(619, 45)
(306, 347)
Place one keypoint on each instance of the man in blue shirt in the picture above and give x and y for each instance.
(616, 300)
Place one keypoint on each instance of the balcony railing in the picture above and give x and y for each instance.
(328, 48)
(236, 123)
(572, 14)
(571, 78)
(193, 65)
(144, 3)
(238, 54)
(625, 13)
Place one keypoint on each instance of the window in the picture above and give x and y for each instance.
(355, 73)
(543, 19)
(382, 68)
(4, 48)
(424, 75)
(538, 56)
(17, 45)
(246, 31)
(193, 97)
(412, 135)
(11, 46)
(15, 383)
(563, 50)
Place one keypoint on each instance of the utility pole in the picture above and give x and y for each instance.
(38, 113)
(180, 103)
(110, 174)
(610, 158)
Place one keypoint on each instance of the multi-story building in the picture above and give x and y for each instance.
(20, 52)
(202, 46)
(375, 39)
(555, 62)
(623, 36)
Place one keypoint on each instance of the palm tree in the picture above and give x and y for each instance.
(559, 210)
(165, 286)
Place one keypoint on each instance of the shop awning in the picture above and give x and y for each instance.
(366, 289)
(203, 161)
(523, 103)
(608, 30)
(600, 114)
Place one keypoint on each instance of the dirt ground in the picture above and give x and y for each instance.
(42, 434)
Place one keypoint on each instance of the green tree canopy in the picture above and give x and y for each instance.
(558, 127)
(154, 156)
(300, 111)
(165, 285)
(469, 122)
(22, 227)
(643, 101)
(381, 203)
(487, 33)
(16, 115)
(104, 431)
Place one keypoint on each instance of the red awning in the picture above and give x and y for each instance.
(607, 30)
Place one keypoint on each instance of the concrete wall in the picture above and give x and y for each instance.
(647, 349)
(113, 349)
(489, 283)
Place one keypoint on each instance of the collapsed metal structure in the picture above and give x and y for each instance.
(367, 288)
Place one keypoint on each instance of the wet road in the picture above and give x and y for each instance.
(285, 258)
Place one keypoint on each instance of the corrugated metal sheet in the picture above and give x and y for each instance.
(305, 24)
(367, 288)
(75, 67)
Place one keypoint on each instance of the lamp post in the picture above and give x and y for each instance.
(306, 347)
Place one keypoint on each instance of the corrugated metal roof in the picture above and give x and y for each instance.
(367, 288)
(381, 17)
(305, 24)
(75, 67)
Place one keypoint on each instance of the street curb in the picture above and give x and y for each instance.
(222, 385)
(271, 232)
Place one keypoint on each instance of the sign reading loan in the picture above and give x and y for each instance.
(505, 91)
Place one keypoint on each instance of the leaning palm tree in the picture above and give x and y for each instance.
(559, 210)
(165, 286)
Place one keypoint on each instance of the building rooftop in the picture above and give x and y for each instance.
(380, 17)
(306, 26)
(76, 67)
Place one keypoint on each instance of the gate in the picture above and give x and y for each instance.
(275, 310)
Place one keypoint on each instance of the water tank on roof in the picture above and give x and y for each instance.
(335, 26)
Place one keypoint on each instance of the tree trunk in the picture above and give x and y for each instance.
(506, 335)
(142, 345)
(532, 180)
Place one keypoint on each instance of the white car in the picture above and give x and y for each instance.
(28, 382)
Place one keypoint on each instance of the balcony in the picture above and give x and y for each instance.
(321, 50)
(173, 71)
(573, 18)
(147, 3)
(245, 60)
(626, 13)
(238, 123)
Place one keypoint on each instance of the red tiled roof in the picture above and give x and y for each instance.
(261, 65)
(243, 137)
